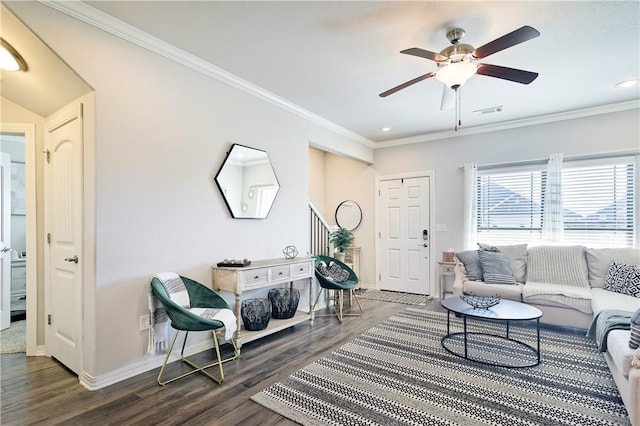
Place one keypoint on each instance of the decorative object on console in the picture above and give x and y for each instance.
(255, 313)
(284, 302)
(290, 252)
(480, 302)
(236, 263)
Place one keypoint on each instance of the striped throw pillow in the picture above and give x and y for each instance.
(634, 340)
(496, 268)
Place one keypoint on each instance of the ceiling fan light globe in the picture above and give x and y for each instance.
(456, 74)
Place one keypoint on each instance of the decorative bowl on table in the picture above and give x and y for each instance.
(284, 302)
(255, 313)
(480, 302)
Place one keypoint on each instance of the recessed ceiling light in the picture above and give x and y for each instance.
(627, 83)
(385, 129)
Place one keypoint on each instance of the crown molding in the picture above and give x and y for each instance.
(88, 14)
(542, 119)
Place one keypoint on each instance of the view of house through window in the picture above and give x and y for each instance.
(598, 199)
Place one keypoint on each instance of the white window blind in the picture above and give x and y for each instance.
(598, 199)
(510, 206)
(598, 204)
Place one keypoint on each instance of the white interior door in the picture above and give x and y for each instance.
(5, 241)
(404, 235)
(63, 287)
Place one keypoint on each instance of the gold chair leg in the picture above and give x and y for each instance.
(196, 368)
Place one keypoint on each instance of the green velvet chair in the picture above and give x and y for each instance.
(339, 288)
(184, 320)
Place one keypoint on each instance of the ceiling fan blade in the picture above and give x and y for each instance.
(406, 84)
(448, 98)
(515, 37)
(511, 74)
(427, 54)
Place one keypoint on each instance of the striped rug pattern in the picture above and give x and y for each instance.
(394, 296)
(397, 373)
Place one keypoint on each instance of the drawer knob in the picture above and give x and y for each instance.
(256, 277)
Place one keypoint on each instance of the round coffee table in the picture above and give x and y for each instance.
(504, 312)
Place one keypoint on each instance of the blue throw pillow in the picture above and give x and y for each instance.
(496, 268)
(471, 263)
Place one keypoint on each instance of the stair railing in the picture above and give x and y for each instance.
(320, 232)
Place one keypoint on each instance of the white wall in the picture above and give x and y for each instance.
(162, 132)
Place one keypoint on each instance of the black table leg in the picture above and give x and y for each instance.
(464, 321)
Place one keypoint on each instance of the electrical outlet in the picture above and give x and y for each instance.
(144, 322)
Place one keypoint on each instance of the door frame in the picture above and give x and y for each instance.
(432, 240)
(28, 130)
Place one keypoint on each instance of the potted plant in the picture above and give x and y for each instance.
(341, 239)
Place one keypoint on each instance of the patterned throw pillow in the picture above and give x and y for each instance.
(471, 263)
(333, 271)
(634, 340)
(496, 268)
(623, 279)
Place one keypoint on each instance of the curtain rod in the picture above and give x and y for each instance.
(565, 159)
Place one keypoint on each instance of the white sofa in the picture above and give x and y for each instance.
(567, 284)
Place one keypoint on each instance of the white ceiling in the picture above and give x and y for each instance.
(334, 58)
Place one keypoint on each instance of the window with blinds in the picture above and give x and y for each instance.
(510, 206)
(598, 204)
(598, 199)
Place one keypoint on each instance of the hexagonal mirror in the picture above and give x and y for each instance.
(247, 182)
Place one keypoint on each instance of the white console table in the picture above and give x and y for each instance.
(260, 274)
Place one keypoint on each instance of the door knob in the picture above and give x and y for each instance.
(73, 259)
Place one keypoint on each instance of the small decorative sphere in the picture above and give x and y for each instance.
(290, 252)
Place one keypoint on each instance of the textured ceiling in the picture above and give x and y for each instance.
(334, 58)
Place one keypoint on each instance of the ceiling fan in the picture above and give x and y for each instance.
(459, 62)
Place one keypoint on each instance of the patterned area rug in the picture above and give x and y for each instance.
(394, 296)
(397, 374)
(13, 339)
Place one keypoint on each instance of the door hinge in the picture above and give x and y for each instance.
(49, 319)
(47, 155)
(49, 238)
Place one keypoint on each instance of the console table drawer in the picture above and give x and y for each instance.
(280, 273)
(302, 270)
(256, 277)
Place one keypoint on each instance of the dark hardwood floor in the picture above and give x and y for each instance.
(39, 390)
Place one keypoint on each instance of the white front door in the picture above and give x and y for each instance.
(5, 241)
(404, 236)
(63, 223)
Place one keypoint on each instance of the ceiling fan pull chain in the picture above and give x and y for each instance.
(457, 123)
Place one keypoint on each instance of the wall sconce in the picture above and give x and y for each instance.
(10, 59)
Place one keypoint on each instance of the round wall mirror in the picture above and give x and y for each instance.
(348, 215)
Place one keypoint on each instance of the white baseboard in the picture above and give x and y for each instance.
(149, 363)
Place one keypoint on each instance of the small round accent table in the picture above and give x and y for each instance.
(486, 346)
